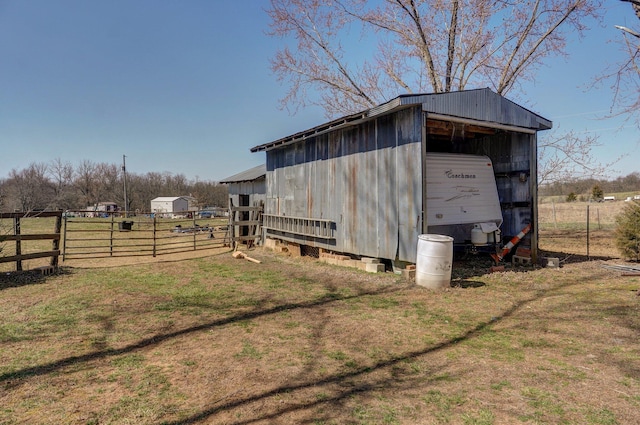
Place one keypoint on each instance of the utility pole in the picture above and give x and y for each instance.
(124, 179)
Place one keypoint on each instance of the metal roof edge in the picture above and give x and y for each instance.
(247, 175)
(314, 131)
(399, 102)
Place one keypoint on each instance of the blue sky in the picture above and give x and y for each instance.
(185, 87)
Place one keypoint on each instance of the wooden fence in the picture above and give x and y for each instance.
(22, 238)
(142, 235)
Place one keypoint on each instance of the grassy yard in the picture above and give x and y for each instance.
(227, 341)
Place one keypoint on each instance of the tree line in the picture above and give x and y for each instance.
(59, 185)
(585, 187)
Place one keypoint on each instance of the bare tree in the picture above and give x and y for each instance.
(86, 182)
(567, 157)
(422, 46)
(3, 194)
(110, 183)
(61, 174)
(429, 46)
(624, 77)
(210, 194)
(30, 187)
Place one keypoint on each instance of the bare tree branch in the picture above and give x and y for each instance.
(425, 46)
(624, 78)
(422, 46)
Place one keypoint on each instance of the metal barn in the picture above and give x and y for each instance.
(246, 203)
(358, 184)
(172, 206)
(247, 188)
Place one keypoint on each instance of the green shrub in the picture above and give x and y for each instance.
(597, 193)
(572, 197)
(628, 231)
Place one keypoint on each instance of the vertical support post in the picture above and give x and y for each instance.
(124, 184)
(154, 234)
(533, 187)
(111, 236)
(16, 232)
(588, 256)
(193, 226)
(424, 173)
(64, 240)
(56, 242)
(234, 243)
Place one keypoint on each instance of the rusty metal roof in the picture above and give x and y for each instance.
(481, 105)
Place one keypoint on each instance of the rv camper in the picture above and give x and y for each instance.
(462, 199)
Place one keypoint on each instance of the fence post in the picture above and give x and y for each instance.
(194, 230)
(16, 232)
(154, 235)
(111, 237)
(588, 257)
(56, 242)
(64, 240)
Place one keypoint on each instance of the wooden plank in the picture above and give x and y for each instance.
(31, 214)
(31, 256)
(245, 238)
(244, 209)
(23, 237)
(247, 223)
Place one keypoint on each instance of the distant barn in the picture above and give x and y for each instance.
(248, 187)
(102, 209)
(358, 184)
(173, 206)
(246, 202)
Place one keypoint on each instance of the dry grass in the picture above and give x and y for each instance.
(226, 341)
(573, 215)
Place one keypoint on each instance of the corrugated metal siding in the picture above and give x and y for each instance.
(351, 177)
(255, 189)
(386, 210)
(248, 188)
(512, 157)
(409, 182)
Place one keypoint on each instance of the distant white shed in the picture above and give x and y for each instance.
(172, 206)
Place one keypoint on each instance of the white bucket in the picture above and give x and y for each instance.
(433, 264)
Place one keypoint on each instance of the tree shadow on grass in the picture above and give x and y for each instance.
(28, 277)
(466, 283)
(343, 384)
(15, 376)
(344, 381)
